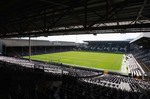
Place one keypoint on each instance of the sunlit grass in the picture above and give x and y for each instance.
(99, 60)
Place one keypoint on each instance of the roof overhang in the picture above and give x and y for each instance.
(141, 36)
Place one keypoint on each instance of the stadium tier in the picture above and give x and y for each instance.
(141, 53)
(108, 46)
(20, 47)
(63, 82)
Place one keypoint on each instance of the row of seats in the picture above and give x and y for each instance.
(143, 56)
(105, 48)
(118, 82)
(53, 68)
(133, 67)
(89, 89)
(77, 83)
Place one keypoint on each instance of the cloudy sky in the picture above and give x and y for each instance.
(81, 38)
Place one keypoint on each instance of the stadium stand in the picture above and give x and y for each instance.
(141, 54)
(108, 46)
(63, 82)
(134, 68)
(20, 47)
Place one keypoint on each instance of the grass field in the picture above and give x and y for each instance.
(99, 60)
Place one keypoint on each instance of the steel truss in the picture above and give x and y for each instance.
(68, 17)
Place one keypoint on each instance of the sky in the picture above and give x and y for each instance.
(89, 37)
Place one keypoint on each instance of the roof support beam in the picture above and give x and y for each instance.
(44, 22)
(85, 14)
(55, 3)
(126, 29)
(140, 12)
(61, 16)
(111, 13)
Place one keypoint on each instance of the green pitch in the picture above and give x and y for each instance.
(98, 60)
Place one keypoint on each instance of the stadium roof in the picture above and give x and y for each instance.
(110, 41)
(22, 18)
(64, 43)
(142, 37)
(25, 42)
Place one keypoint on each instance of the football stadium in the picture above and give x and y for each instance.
(94, 69)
